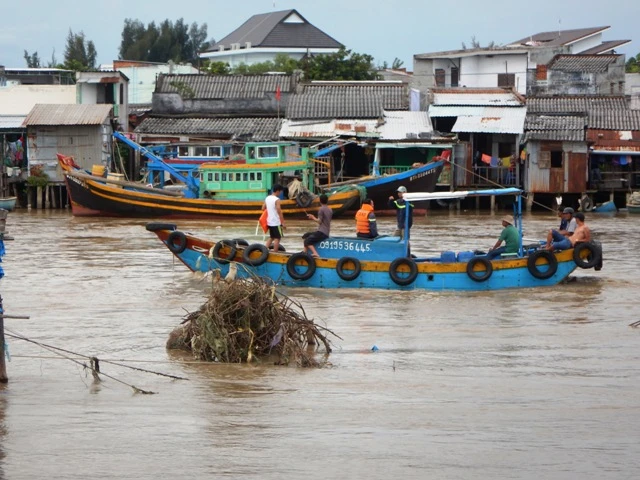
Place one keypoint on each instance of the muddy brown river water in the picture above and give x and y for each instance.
(528, 384)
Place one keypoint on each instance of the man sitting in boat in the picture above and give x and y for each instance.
(366, 226)
(560, 239)
(582, 233)
(403, 208)
(324, 226)
(510, 236)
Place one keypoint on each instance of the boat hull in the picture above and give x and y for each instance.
(420, 179)
(375, 273)
(99, 198)
(8, 203)
(633, 208)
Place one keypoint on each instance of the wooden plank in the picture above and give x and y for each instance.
(577, 172)
(556, 180)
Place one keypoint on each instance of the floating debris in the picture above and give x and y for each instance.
(247, 320)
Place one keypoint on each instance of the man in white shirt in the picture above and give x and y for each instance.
(275, 219)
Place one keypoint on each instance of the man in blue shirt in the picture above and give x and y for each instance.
(403, 208)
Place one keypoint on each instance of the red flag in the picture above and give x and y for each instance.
(278, 93)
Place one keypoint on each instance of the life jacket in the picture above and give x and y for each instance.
(362, 219)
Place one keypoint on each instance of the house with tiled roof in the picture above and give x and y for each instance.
(582, 145)
(489, 123)
(580, 74)
(510, 65)
(266, 35)
(223, 108)
(367, 124)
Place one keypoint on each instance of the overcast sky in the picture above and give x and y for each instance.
(383, 29)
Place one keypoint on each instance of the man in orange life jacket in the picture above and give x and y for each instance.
(366, 226)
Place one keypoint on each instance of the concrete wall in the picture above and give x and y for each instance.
(20, 99)
(142, 79)
(174, 104)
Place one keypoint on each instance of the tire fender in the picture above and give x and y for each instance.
(256, 247)
(340, 270)
(552, 262)
(177, 242)
(479, 276)
(401, 280)
(218, 246)
(593, 257)
(306, 258)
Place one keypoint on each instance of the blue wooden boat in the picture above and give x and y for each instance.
(384, 262)
(8, 203)
(606, 207)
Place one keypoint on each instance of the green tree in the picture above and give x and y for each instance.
(632, 66)
(33, 60)
(216, 68)
(79, 54)
(177, 41)
(342, 65)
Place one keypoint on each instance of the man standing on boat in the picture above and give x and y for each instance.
(275, 219)
(324, 225)
(403, 208)
(366, 226)
(511, 238)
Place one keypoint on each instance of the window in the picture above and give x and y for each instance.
(455, 76)
(224, 177)
(252, 176)
(215, 151)
(199, 151)
(556, 159)
(210, 177)
(267, 152)
(245, 177)
(183, 151)
(506, 80)
(238, 177)
(440, 77)
(259, 176)
(216, 176)
(541, 72)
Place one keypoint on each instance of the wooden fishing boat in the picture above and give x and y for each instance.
(383, 262)
(633, 208)
(606, 207)
(8, 203)
(234, 188)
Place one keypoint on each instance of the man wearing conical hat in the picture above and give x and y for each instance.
(510, 236)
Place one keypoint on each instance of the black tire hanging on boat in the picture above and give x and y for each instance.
(593, 258)
(291, 266)
(218, 246)
(255, 247)
(280, 248)
(552, 262)
(177, 242)
(157, 226)
(586, 204)
(479, 276)
(304, 199)
(395, 276)
(357, 268)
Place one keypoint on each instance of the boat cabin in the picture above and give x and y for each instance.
(253, 174)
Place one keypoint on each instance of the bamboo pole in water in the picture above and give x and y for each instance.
(3, 365)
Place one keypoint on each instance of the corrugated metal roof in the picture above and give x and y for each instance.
(11, 122)
(272, 30)
(42, 114)
(479, 97)
(198, 86)
(582, 63)
(568, 128)
(454, 111)
(398, 124)
(336, 105)
(575, 103)
(603, 119)
(493, 120)
(329, 128)
(263, 128)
